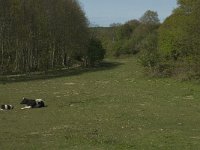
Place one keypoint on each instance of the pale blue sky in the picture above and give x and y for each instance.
(105, 12)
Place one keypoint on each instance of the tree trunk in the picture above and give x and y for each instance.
(17, 56)
(53, 56)
(64, 60)
(2, 59)
(2, 55)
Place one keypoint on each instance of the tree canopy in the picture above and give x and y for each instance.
(179, 34)
(150, 17)
(41, 34)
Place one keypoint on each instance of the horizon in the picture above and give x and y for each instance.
(102, 13)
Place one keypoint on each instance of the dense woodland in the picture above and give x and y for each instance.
(171, 48)
(38, 35)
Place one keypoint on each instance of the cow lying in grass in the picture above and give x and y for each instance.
(6, 107)
(32, 103)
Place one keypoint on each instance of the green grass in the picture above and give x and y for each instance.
(113, 107)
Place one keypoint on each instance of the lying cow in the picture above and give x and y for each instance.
(32, 103)
(6, 107)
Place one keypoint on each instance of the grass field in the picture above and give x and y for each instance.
(108, 108)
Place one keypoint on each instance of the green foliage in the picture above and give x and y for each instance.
(172, 36)
(124, 32)
(145, 39)
(149, 56)
(96, 52)
(127, 39)
(116, 39)
(107, 37)
(40, 34)
(179, 37)
(131, 36)
(150, 17)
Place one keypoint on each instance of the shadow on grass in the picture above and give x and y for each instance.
(57, 73)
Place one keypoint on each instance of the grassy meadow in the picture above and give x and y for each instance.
(108, 108)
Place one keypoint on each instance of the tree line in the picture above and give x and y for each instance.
(38, 35)
(128, 38)
(179, 41)
(171, 48)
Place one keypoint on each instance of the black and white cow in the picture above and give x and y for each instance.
(32, 103)
(6, 107)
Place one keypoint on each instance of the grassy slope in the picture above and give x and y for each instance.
(114, 108)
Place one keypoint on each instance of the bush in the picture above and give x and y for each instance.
(149, 59)
(149, 56)
(95, 53)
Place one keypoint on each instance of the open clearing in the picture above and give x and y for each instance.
(110, 108)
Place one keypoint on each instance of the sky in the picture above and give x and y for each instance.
(106, 12)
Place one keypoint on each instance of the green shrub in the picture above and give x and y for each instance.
(96, 52)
